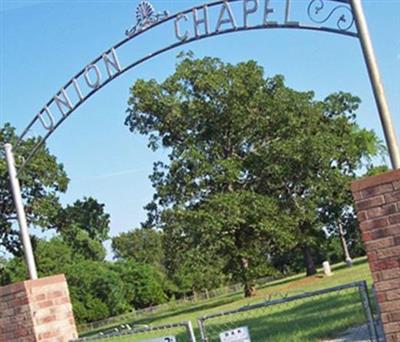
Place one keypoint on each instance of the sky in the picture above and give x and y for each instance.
(44, 43)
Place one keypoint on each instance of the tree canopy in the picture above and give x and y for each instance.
(238, 140)
(257, 184)
(43, 179)
(144, 245)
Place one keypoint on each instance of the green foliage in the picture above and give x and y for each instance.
(84, 225)
(86, 215)
(258, 174)
(143, 283)
(98, 290)
(12, 271)
(88, 248)
(237, 229)
(238, 140)
(373, 171)
(76, 249)
(143, 245)
(190, 269)
(54, 256)
(41, 182)
(330, 327)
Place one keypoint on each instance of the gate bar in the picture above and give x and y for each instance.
(376, 82)
(19, 206)
(189, 328)
(363, 288)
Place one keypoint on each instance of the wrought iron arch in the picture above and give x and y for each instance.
(346, 12)
(317, 11)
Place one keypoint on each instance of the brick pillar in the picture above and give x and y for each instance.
(37, 310)
(378, 209)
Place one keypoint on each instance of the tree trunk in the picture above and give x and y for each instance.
(346, 253)
(250, 290)
(206, 294)
(249, 287)
(308, 261)
(194, 295)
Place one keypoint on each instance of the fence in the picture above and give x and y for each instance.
(179, 332)
(207, 294)
(312, 316)
(308, 316)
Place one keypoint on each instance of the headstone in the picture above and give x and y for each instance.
(327, 268)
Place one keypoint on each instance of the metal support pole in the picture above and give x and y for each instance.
(202, 328)
(377, 86)
(190, 331)
(16, 192)
(378, 320)
(363, 288)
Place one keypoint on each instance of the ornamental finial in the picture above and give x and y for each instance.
(145, 17)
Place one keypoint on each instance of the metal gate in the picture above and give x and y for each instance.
(320, 315)
(179, 332)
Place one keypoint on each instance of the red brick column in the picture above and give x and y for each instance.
(378, 209)
(37, 310)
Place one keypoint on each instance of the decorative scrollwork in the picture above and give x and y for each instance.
(145, 17)
(316, 14)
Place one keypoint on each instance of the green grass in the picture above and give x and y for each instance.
(304, 320)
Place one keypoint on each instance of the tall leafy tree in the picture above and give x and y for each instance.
(143, 245)
(84, 225)
(233, 232)
(239, 138)
(87, 215)
(205, 113)
(41, 182)
(340, 218)
(144, 284)
(308, 156)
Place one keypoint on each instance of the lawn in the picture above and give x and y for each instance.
(311, 319)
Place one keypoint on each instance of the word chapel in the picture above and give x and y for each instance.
(227, 20)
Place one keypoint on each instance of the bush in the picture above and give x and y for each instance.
(97, 292)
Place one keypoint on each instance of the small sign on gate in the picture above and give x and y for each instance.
(162, 339)
(235, 335)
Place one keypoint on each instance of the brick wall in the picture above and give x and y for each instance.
(378, 209)
(37, 310)
(15, 319)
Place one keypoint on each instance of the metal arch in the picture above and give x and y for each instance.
(317, 6)
(158, 52)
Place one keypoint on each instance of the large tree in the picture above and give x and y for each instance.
(84, 225)
(308, 155)
(41, 182)
(233, 136)
(144, 284)
(233, 232)
(143, 245)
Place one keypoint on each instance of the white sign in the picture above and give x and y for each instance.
(163, 339)
(235, 335)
